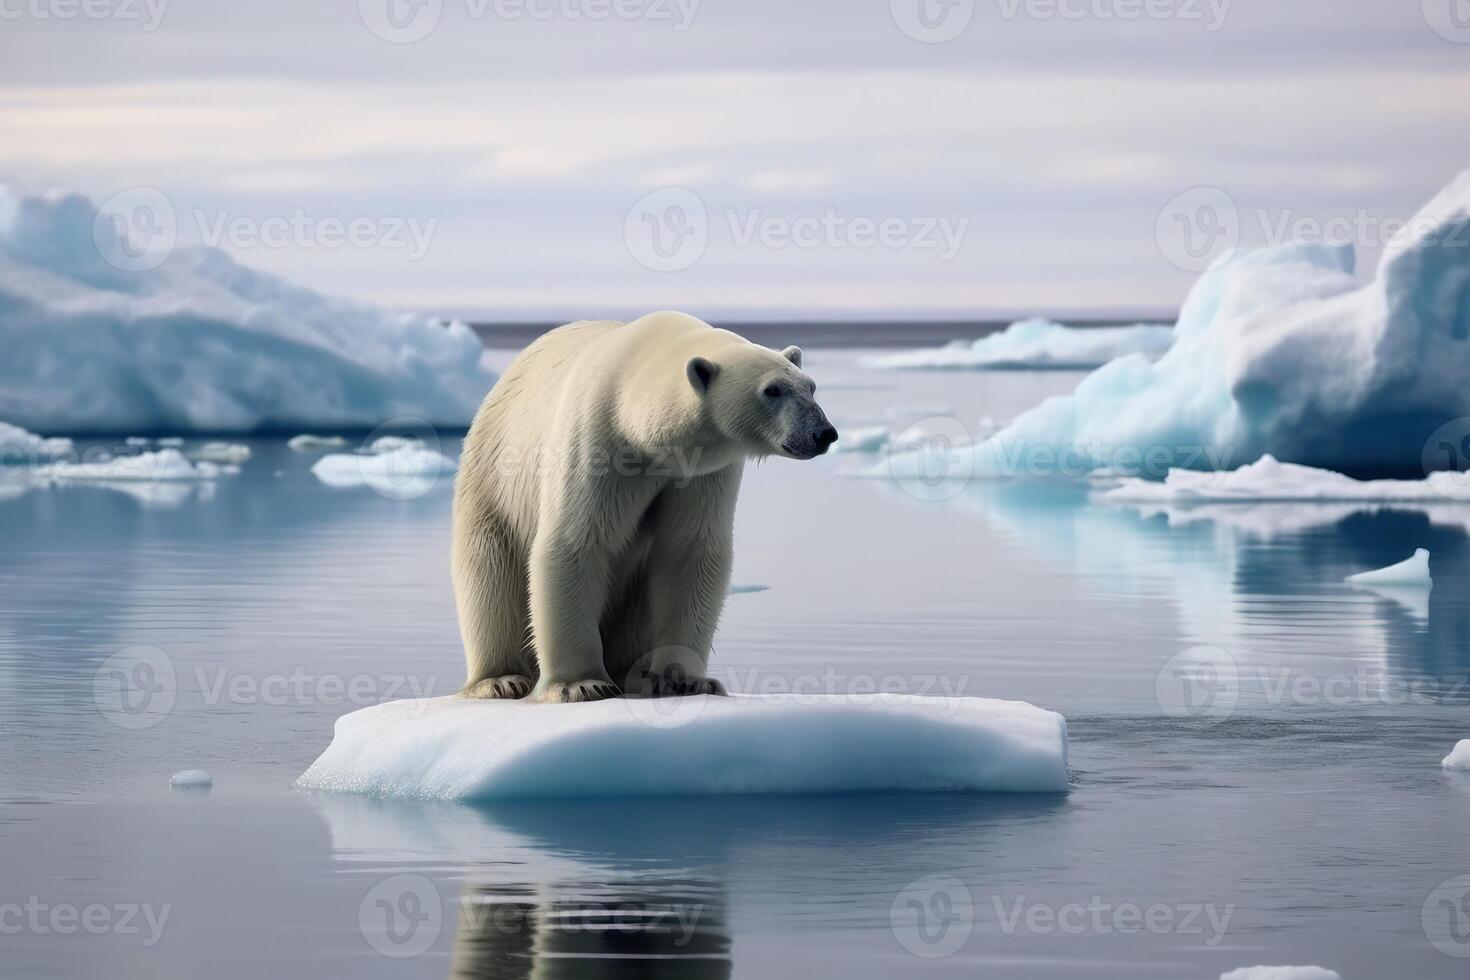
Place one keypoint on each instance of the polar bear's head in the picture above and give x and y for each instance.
(764, 402)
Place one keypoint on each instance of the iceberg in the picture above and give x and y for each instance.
(191, 779)
(17, 446)
(1034, 344)
(453, 748)
(1279, 351)
(201, 343)
(1412, 571)
(1268, 479)
(230, 453)
(1459, 757)
(1282, 973)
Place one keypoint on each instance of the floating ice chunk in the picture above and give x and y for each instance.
(1281, 351)
(308, 443)
(201, 343)
(17, 446)
(1459, 757)
(171, 442)
(229, 453)
(1409, 572)
(191, 779)
(1282, 973)
(747, 589)
(388, 444)
(457, 749)
(403, 473)
(1268, 479)
(862, 440)
(136, 441)
(1034, 344)
(165, 465)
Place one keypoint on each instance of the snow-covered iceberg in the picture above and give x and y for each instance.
(456, 749)
(1034, 344)
(1268, 479)
(1278, 351)
(1411, 572)
(163, 466)
(1459, 757)
(201, 343)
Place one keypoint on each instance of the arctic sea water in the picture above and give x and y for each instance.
(1297, 815)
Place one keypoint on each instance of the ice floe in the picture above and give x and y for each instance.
(403, 471)
(1282, 973)
(1268, 479)
(308, 443)
(458, 749)
(1411, 572)
(1034, 344)
(1459, 757)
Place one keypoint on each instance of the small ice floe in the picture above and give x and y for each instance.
(1282, 973)
(1270, 480)
(1035, 344)
(165, 465)
(469, 750)
(19, 446)
(1459, 757)
(191, 779)
(748, 589)
(861, 440)
(388, 444)
(308, 443)
(172, 442)
(226, 453)
(135, 441)
(1409, 573)
(401, 473)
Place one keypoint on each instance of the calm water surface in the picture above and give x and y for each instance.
(1289, 810)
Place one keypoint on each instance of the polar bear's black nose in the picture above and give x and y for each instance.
(826, 437)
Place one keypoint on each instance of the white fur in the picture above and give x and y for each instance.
(595, 503)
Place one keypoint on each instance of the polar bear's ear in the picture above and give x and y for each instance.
(792, 354)
(701, 372)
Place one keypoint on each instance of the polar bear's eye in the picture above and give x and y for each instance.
(772, 391)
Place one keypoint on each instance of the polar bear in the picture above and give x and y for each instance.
(595, 503)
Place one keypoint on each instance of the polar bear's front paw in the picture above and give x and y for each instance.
(509, 687)
(567, 692)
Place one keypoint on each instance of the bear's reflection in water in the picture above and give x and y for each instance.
(678, 931)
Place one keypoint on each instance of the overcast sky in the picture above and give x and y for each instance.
(549, 159)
